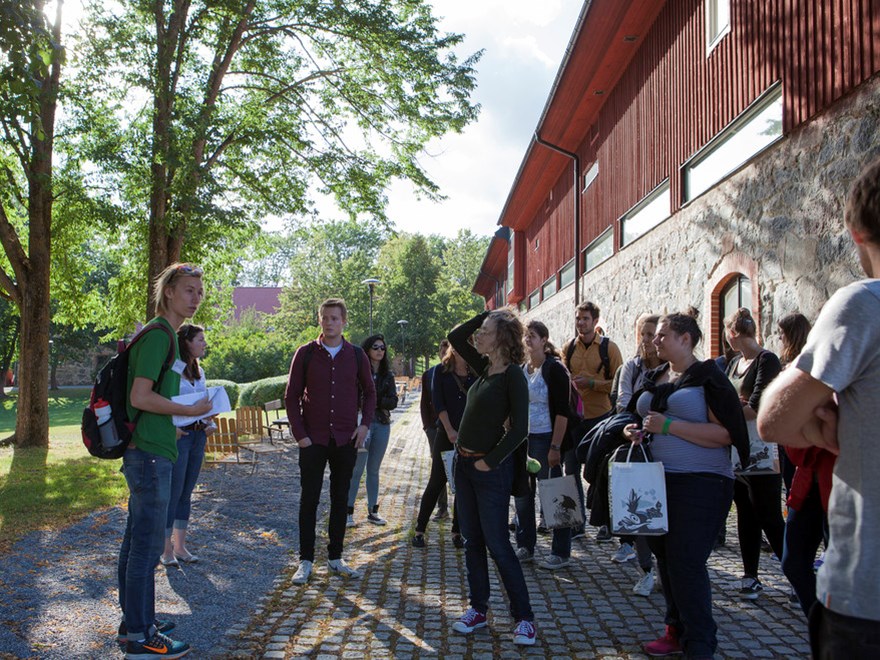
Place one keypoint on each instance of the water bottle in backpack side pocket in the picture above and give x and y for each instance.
(109, 437)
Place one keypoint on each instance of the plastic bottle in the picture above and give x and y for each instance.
(107, 428)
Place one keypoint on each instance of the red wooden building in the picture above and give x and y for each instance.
(692, 152)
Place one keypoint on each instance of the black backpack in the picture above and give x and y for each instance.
(110, 385)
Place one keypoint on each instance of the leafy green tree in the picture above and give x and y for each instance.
(253, 105)
(462, 257)
(30, 73)
(10, 326)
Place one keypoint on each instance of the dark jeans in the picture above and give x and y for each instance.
(836, 636)
(190, 454)
(443, 499)
(482, 500)
(758, 500)
(526, 528)
(312, 461)
(149, 485)
(804, 531)
(697, 505)
(436, 485)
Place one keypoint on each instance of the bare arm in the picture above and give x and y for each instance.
(705, 434)
(144, 398)
(797, 410)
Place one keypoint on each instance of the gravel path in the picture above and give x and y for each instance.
(60, 586)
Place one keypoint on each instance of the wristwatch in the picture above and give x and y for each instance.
(555, 447)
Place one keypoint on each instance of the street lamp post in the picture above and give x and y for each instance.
(371, 283)
(402, 323)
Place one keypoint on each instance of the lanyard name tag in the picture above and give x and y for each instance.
(178, 367)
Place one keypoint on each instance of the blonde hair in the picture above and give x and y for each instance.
(334, 302)
(166, 280)
(741, 322)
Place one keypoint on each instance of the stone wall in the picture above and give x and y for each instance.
(780, 216)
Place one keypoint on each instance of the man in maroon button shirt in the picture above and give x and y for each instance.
(329, 381)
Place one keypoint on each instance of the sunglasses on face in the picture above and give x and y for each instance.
(378, 347)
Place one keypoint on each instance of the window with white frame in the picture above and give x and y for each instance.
(717, 22)
(566, 274)
(756, 128)
(599, 250)
(534, 298)
(510, 264)
(549, 287)
(591, 175)
(645, 215)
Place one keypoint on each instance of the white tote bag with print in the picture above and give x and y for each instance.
(448, 459)
(559, 502)
(637, 491)
(763, 456)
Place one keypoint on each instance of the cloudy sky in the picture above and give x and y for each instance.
(524, 42)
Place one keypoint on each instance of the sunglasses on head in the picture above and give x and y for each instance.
(378, 347)
(189, 269)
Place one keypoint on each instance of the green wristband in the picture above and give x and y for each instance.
(666, 425)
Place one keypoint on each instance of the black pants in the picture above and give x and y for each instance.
(443, 499)
(312, 461)
(758, 500)
(436, 484)
(836, 636)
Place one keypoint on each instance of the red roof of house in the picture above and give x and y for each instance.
(261, 298)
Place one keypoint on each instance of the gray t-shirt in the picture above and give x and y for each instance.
(843, 352)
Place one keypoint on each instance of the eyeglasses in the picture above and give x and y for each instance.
(189, 269)
(378, 347)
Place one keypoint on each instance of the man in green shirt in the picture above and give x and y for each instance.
(148, 460)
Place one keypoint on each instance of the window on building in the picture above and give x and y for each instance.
(757, 128)
(534, 298)
(717, 22)
(591, 175)
(510, 264)
(737, 293)
(599, 250)
(645, 215)
(566, 275)
(549, 287)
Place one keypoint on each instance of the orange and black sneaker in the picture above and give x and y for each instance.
(158, 646)
(164, 627)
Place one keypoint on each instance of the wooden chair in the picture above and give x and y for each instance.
(230, 442)
(223, 446)
(249, 421)
(279, 427)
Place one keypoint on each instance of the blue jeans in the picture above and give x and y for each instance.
(526, 532)
(190, 453)
(804, 531)
(149, 485)
(372, 460)
(482, 500)
(697, 505)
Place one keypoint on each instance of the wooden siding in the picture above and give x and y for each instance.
(552, 231)
(673, 99)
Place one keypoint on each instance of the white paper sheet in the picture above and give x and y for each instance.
(218, 397)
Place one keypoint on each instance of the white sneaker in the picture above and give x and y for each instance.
(645, 586)
(303, 572)
(554, 561)
(339, 567)
(624, 554)
(524, 555)
(349, 521)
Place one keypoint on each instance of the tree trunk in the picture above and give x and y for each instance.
(32, 420)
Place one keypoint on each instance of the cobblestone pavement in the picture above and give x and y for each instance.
(409, 597)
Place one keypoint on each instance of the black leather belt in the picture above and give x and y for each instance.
(195, 426)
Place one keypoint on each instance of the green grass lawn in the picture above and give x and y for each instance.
(42, 489)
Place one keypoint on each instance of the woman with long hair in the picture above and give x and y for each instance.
(691, 414)
(632, 378)
(190, 449)
(806, 525)
(757, 496)
(494, 424)
(452, 380)
(549, 412)
(379, 434)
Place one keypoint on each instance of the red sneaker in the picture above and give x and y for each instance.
(664, 646)
(470, 621)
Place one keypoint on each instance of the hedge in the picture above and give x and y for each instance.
(259, 392)
(232, 390)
